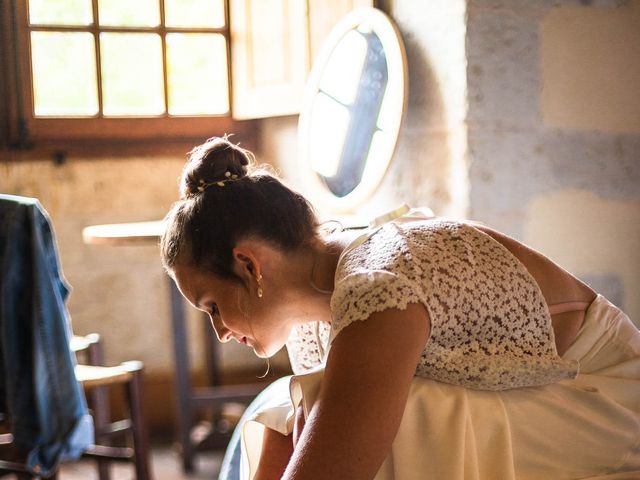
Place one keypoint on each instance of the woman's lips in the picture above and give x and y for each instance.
(243, 340)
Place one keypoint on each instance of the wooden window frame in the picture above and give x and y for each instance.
(23, 130)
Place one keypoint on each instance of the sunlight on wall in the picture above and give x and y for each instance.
(589, 235)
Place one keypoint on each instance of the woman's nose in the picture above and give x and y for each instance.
(224, 336)
(222, 332)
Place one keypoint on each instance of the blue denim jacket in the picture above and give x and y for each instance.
(38, 387)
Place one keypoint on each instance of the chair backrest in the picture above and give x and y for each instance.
(40, 393)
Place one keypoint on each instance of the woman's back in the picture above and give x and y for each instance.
(566, 296)
(489, 321)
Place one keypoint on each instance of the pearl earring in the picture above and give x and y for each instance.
(260, 291)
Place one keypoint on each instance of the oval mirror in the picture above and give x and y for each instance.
(353, 108)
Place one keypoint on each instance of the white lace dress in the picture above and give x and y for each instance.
(490, 333)
(490, 326)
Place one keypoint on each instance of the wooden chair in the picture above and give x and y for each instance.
(36, 321)
(96, 379)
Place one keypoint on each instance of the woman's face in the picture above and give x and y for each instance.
(235, 312)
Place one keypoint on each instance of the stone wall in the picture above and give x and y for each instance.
(554, 133)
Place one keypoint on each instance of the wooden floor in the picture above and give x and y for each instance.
(165, 466)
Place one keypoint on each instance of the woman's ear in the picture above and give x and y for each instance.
(246, 264)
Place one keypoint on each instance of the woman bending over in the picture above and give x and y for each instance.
(414, 303)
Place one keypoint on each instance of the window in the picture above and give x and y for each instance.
(91, 70)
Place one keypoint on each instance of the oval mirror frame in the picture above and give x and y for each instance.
(316, 188)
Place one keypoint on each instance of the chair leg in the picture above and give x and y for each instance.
(104, 470)
(101, 411)
(140, 439)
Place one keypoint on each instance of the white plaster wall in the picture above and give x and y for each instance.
(430, 167)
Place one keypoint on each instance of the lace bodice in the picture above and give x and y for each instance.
(307, 346)
(490, 326)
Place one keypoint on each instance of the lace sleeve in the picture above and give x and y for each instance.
(357, 296)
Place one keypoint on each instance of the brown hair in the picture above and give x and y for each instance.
(225, 198)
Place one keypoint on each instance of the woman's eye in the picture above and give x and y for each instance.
(214, 310)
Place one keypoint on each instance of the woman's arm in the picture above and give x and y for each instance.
(364, 390)
(276, 452)
(278, 448)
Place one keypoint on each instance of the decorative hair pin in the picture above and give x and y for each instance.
(220, 183)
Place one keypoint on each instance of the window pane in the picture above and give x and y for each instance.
(136, 13)
(341, 74)
(330, 120)
(60, 12)
(194, 13)
(63, 87)
(197, 69)
(132, 75)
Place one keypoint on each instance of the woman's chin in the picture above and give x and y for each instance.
(265, 352)
(260, 353)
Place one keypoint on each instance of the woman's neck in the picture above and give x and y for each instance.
(326, 259)
(311, 279)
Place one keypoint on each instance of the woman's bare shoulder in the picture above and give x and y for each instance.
(557, 284)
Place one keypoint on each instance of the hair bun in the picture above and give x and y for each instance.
(215, 161)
